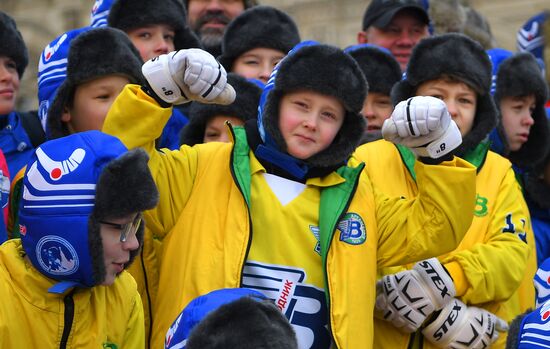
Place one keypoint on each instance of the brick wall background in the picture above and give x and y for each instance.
(331, 21)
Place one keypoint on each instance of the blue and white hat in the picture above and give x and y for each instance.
(535, 329)
(58, 212)
(100, 12)
(52, 70)
(198, 308)
(530, 36)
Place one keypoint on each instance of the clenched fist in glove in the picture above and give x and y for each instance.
(409, 297)
(188, 75)
(462, 327)
(423, 124)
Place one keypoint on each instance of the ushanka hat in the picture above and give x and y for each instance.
(459, 57)
(259, 26)
(520, 75)
(12, 44)
(323, 69)
(130, 14)
(245, 107)
(93, 54)
(378, 65)
(70, 185)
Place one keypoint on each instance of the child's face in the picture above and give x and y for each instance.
(376, 109)
(216, 131)
(309, 121)
(517, 119)
(153, 40)
(92, 101)
(257, 63)
(461, 100)
(116, 253)
(9, 85)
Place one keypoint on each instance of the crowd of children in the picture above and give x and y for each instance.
(196, 176)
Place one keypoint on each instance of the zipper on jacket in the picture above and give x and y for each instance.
(68, 301)
(342, 214)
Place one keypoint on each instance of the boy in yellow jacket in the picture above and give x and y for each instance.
(496, 254)
(279, 210)
(63, 283)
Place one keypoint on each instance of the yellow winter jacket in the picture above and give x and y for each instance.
(204, 200)
(98, 317)
(493, 260)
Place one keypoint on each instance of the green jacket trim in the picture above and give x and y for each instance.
(475, 157)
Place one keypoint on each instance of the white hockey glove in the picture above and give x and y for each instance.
(462, 327)
(407, 298)
(423, 124)
(188, 75)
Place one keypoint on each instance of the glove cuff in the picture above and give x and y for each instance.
(149, 91)
(158, 75)
(442, 146)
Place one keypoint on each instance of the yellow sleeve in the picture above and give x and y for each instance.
(493, 269)
(137, 120)
(135, 331)
(434, 222)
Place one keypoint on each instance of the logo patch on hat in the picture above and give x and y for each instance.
(57, 169)
(49, 51)
(352, 229)
(56, 255)
(545, 311)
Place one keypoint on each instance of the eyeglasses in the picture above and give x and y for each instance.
(128, 229)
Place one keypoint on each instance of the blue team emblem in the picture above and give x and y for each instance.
(56, 255)
(352, 229)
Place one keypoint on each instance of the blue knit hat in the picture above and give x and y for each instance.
(530, 36)
(100, 12)
(534, 331)
(52, 70)
(198, 308)
(70, 184)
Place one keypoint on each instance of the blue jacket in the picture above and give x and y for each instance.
(15, 142)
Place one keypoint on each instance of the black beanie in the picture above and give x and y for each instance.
(93, 54)
(380, 68)
(12, 44)
(326, 70)
(520, 75)
(259, 26)
(456, 56)
(245, 107)
(130, 14)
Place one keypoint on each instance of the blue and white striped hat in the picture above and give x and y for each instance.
(530, 36)
(100, 12)
(52, 70)
(59, 191)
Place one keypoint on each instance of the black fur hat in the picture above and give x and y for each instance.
(327, 70)
(259, 26)
(246, 324)
(130, 14)
(520, 75)
(244, 107)
(380, 68)
(127, 174)
(12, 44)
(95, 53)
(457, 56)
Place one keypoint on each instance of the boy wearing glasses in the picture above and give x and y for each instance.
(80, 226)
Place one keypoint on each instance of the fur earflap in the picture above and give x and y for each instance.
(245, 323)
(380, 68)
(520, 75)
(512, 339)
(326, 70)
(93, 54)
(125, 186)
(455, 56)
(12, 43)
(245, 107)
(260, 26)
(130, 14)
